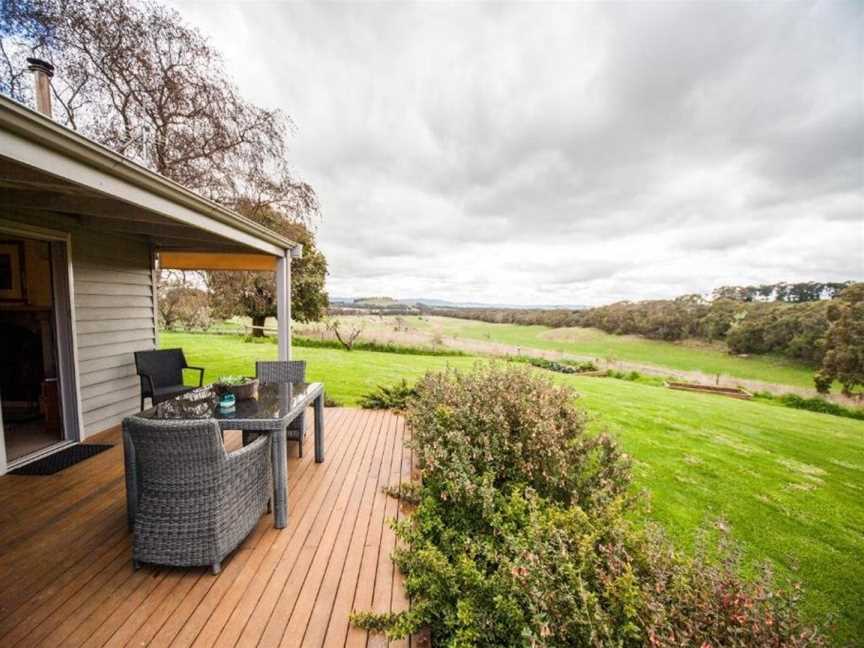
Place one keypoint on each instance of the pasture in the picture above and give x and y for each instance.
(633, 351)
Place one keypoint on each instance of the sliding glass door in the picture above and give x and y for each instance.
(35, 348)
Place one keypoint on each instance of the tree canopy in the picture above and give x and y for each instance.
(797, 293)
(254, 293)
(844, 342)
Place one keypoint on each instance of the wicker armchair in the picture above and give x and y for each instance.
(161, 373)
(282, 371)
(190, 502)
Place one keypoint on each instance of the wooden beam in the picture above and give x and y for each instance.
(182, 260)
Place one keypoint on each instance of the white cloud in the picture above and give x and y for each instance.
(555, 153)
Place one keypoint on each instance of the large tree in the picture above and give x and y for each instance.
(182, 302)
(254, 293)
(844, 343)
(136, 78)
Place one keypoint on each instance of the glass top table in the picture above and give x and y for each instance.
(276, 405)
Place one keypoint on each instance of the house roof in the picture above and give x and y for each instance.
(38, 142)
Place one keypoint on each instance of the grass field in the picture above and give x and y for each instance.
(347, 375)
(690, 356)
(789, 484)
(581, 341)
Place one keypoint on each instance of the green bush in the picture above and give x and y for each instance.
(583, 366)
(524, 535)
(393, 397)
(380, 347)
(565, 366)
(482, 432)
(632, 376)
(703, 601)
(820, 405)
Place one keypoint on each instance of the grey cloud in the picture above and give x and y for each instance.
(580, 270)
(581, 152)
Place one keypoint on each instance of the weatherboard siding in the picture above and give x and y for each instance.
(114, 317)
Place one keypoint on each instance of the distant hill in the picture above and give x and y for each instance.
(390, 302)
(373, 302)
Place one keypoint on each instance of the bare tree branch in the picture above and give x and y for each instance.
(347, 335)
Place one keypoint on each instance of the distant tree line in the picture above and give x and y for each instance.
(796, 293)
(797, 323)
(795, 330)
(555, 317)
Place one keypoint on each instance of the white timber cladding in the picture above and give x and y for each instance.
(115, 316)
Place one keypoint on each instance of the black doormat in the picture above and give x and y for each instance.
(58, 461)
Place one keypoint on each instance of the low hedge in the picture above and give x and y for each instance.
(380, 347)
(821, 405)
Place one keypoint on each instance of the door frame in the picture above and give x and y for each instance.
(65, 334)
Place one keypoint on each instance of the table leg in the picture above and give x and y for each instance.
(279, 451)
(319, 428)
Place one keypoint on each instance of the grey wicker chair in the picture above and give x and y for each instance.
(191, 503)
(285, 371)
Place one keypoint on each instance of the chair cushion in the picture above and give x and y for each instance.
(170, 391)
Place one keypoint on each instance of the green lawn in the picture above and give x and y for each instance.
(789, 483)
(347, 375)
(592, 342)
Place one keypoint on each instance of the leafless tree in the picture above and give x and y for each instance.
(347, 334)
(136, 78)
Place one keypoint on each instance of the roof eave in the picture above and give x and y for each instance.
(36, 127)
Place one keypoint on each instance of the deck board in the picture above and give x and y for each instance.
(66, 574)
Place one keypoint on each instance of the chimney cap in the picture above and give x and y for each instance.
(40, 65)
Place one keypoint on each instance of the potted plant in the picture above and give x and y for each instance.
(242, 387)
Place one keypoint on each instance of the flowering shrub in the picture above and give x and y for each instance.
(523, 536)
(482, 433)
(704, 602)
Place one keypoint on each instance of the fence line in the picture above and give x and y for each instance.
(241, 329)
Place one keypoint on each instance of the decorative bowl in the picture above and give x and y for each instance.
(243, 391)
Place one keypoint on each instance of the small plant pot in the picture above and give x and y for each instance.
(227, 402)
(241, 392)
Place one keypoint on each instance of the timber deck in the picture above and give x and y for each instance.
(66, 576)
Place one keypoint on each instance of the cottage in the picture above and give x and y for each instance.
(82, 231)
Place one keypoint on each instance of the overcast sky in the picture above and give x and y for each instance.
(566, 153)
